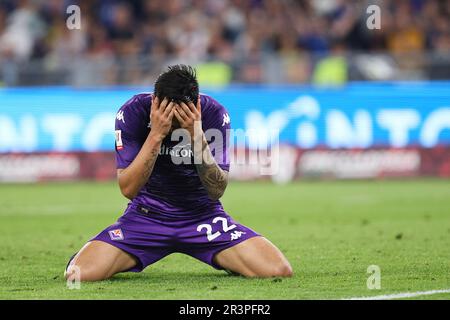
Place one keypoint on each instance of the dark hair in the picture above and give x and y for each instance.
(178, 83)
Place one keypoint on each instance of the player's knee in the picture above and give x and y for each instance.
(283, 269)
(279, 269)
(85, 273)
(81, 272)
(286, 270)
(70, 270)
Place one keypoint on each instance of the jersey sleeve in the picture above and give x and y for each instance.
(219, 136)
(128, 143)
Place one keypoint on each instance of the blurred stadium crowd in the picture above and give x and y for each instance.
(248, 41)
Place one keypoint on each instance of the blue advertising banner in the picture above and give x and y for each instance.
(359, 115)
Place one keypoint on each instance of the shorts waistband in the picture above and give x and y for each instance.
(146, 211)
(141, 209)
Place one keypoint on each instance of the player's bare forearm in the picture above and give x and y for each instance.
(213, 178)
(133, 178)
(136, 175)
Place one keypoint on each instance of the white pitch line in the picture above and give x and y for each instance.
(401, 295)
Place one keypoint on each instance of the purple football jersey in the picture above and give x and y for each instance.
(174, 189)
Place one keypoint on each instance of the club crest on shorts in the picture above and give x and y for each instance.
(116, 234)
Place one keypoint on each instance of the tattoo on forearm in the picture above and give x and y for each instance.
(149, 164)
(213, 178)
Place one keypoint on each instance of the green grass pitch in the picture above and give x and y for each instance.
(330, 231)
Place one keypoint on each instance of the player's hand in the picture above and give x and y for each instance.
(161, 117)
(190, 117)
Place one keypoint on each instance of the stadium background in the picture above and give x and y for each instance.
(349, 102)
(300, 67)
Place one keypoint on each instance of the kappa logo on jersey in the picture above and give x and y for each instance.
(120, 116)
(116, 234)
(226, 119)
(119, 144)
(236, 234)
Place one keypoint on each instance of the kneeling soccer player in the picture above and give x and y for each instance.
(175, 203)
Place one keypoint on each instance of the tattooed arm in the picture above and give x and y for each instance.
(213, 178)
(135, 176)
